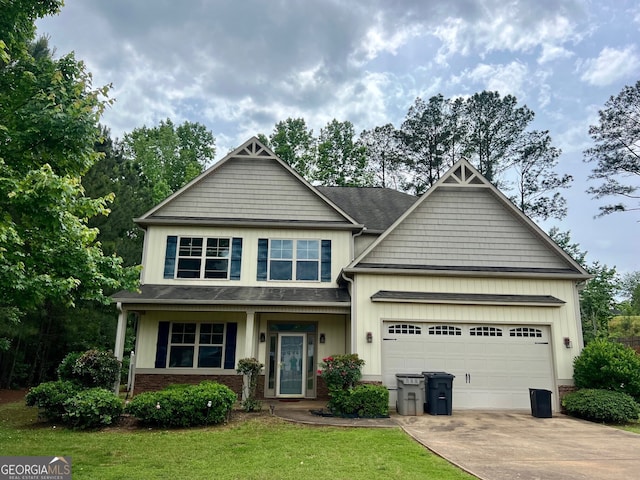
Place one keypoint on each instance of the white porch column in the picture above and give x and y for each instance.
(249, 338)
(118, 349)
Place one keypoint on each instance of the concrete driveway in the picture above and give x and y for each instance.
(501, 445)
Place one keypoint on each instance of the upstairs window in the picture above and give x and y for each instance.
(299, 259)
(203, 258)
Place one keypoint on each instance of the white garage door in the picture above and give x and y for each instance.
(494, 365)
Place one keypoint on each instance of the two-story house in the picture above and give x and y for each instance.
(250, 260)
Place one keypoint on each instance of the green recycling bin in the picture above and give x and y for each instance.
(439, 388)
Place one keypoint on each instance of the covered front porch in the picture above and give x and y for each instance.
(186, 336)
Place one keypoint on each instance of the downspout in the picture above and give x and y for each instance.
(352, 294)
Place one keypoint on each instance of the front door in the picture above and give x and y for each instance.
(291, 365)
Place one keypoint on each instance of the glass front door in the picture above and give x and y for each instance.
(291, 364)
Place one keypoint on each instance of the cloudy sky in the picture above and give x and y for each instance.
(238, 67)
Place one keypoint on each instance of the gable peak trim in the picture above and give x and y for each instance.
(253, 148)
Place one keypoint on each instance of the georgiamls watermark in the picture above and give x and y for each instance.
(35, 468)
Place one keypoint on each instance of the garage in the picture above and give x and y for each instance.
(494, 365)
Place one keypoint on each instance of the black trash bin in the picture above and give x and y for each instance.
(439, 392)
(540, 403)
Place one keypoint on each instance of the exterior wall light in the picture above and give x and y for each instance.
(322, 338)
(369, 337)
(263, 337)
(567, 342)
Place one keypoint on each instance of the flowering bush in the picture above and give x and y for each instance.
(341, 372)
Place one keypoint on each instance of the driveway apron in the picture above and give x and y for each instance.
(501, 445)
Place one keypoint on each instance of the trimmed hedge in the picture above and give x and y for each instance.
(608, 366)
(365, 401)
(184, 406)
(50, 397)
(601, 406)
(92, 408)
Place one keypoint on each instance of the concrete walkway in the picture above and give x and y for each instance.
(508, 445)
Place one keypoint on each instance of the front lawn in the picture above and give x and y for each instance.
(249, 447)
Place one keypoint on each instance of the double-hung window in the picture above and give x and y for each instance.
(203, 257)
(294, 259)
(196, 345)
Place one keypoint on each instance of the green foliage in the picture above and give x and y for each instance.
(617, 151)
(96, 368)
(597, 301)
(341, 159)
(65, 370)
(250, 367)
(610, 366)
(169, 156)
(92, 408)
(601, 406)
(204, 404)
(341, 372)
(624, 326)
(384, 155)
(365, 401)
(50, 398)
(294, 143)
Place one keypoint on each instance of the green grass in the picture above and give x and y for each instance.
(249, 447)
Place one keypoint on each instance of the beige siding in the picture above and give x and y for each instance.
(563, 321)
(156, 241)
(464, 227)
(253, 189)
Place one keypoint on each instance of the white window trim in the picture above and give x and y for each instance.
(203, 258)
(196, 345)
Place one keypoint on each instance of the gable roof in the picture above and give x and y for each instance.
(375, 207)
(464, 225)
(250, 186)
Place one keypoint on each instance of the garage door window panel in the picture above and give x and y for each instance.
(445, 330)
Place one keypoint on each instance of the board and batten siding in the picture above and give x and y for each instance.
(252, 189)
(156, 242)
(464, 227)
(564, 321)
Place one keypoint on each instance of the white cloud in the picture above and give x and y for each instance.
(506, 79)
(610, 66)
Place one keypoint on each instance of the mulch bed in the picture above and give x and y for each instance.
(12, 396)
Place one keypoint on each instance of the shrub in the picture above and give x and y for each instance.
(96, 368)
(367, 401)
(92, 408)
(203, 404)
(50, 397)
(609, 366)
(341, 372)
(65, 369)
(250, 367)
(601, 406)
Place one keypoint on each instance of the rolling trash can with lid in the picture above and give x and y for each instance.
(410, 393)
(540, 402)
(439, 392)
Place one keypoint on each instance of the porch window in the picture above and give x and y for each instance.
(196, 344)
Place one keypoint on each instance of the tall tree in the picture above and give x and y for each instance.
(597, 301)
(537, 182)
(341, 160)
(617, 151)
(293, 142)
(169, 156)
(383, 152)
(49, 112)
(496, 125)
(427, 140)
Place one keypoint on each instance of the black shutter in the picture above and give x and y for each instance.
(263, 258)
(325, 261)
(162, 344)
(170, 256)
(236, 258)
(230, 346)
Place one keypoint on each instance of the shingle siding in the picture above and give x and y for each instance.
(253, 189)
(464, 226)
